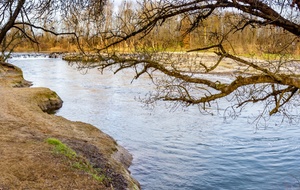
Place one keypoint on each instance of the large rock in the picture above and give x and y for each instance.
(12, 76)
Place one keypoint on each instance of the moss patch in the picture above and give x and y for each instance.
(61, 148)
(77, 161)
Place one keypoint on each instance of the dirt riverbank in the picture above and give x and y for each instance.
(29, 162)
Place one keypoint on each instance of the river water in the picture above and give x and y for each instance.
(179, 149)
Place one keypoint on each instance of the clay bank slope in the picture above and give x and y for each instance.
(28, 161)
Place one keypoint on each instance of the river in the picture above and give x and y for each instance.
(173, 149)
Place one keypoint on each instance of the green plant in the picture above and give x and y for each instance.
(62, 148)
(100, 178)
(77, 161)
(86, 166)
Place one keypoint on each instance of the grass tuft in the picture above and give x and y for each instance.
(77, 162)
(62, 148)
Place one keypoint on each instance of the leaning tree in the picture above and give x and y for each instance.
(24, 20)
(196, 77)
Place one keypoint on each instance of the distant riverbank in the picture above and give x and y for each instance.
(29, 162)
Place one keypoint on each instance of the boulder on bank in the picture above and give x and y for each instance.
(28, 162)
(12, 76)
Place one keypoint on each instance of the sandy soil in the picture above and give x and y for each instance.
(28, 162)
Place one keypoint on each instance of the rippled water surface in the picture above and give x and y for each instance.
(179, 149)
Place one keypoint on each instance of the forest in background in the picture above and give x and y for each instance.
(173, 35)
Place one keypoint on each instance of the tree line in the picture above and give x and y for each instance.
(172, 35)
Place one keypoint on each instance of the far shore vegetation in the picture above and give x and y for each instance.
(264, 42)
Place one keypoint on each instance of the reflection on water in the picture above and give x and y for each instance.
(173, 150)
